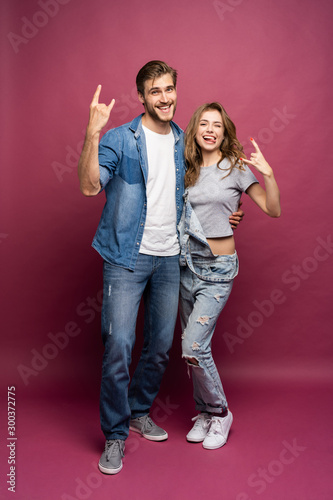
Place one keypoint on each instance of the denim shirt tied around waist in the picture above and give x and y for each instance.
(123, 175)
(196, 253)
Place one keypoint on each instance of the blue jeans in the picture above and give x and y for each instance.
(202, 300)
(157, 280)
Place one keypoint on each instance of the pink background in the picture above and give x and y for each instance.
(268, 64)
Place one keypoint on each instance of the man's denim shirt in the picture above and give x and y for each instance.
(123, 175)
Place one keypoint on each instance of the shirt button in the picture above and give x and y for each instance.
(137, 242)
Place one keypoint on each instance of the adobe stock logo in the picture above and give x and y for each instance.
(84, 487)
(125, 104)
(30, 27)
(292, 278)
(223, 8)
(56, 343)
(280, 119)
(264, 476)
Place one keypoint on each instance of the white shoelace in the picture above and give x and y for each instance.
(201, 421)
(215, 426)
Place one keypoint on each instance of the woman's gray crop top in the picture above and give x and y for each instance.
(214, 199)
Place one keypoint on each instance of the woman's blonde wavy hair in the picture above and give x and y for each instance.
(230, 148)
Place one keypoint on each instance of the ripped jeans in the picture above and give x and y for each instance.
(205, 285)
(201, 303)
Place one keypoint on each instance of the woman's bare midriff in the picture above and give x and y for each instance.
(222, 246)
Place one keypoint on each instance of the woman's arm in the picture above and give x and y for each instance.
(267, 199)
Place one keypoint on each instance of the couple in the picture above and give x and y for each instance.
(143, 167)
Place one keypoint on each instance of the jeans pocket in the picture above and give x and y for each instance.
(220, 270)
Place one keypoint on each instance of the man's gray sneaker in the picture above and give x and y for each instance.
(148, 429)
(110, 461)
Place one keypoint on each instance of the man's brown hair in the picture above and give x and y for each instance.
(152, 70)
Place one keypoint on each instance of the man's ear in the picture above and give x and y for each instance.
(141, 98)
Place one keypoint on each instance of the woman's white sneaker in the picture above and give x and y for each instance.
(218, 431)
(199, 430)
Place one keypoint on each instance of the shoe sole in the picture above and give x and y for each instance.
(193, 440)
(106, 470)
(150, 438)
(213, 447)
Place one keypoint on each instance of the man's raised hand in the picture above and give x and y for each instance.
(99, 113)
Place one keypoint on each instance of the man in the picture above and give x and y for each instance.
(140, 165)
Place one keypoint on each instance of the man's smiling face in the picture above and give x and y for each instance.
(160, 98)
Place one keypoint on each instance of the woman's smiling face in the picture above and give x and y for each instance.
(210, 132)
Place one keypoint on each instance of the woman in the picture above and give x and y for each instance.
(215, 179)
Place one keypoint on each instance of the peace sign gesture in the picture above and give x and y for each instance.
(99, 113)
(258, 161)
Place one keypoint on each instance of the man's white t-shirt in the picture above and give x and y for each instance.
(160, 235)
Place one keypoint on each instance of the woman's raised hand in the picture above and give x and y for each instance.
(258, 161)
(99, 113)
